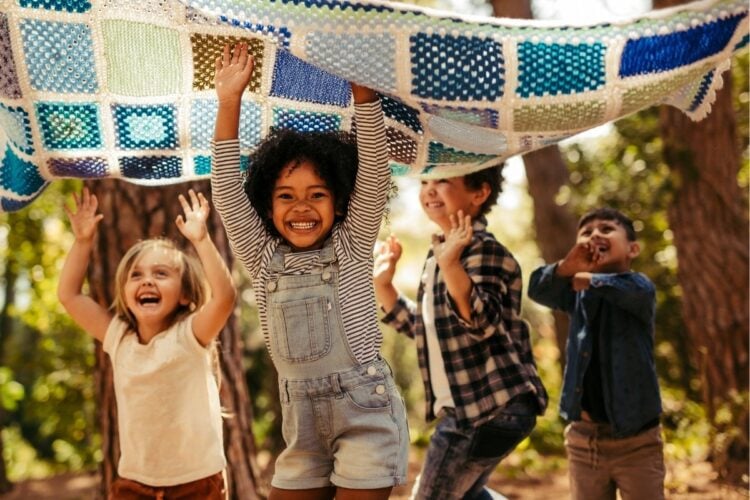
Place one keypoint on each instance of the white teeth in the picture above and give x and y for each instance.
(302, 225)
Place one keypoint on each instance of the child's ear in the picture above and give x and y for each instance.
(480, 195)
(634, 249)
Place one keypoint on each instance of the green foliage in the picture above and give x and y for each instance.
(50, 359)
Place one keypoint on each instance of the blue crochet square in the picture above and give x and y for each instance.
(577, 68)
(459, 68)
(297, 80)
(80, 168)
(59, 56)
(440, 153)
(653, 54)
(401, 113)
(69, 125)
(145, 126)
(487, 118)
(305, 121)
(19, 176)
(203, 117)
(15, 122)
(202, 165)
(77, 6)
(151, 167)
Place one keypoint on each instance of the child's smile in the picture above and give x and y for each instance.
(608, 242)
(302, 207)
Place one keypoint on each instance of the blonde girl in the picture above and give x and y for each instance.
(159, 335)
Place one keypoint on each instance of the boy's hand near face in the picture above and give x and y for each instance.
(448, 252)
(583, 257)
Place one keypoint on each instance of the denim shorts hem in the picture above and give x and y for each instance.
(367, 484)
(301, 483)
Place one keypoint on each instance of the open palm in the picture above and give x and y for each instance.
(193, 225)
(233, 71)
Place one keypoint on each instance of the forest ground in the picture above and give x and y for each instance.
(686, 482)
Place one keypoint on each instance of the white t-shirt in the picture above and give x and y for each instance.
(438, 378)
(168, 406)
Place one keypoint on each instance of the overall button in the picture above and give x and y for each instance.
(271, 286)
(326, 275)
(380, 389)
(371, 370)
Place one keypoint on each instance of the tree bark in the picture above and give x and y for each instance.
(709, 219)
(5, 484)
(132, 213)
(546, 173)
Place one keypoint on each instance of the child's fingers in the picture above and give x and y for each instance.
(180, 222)
(184, 203)
(194, 203)
(204, 202)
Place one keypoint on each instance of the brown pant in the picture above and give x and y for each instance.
(208, 488)
(600, 463)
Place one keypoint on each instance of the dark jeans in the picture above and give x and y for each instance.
(208, 488)
(459, 461)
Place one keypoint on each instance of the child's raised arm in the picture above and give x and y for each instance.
(84, 310)
(210, 319)
(233, 72)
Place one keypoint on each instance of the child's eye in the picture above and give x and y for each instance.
(320, 194)
(284, 196)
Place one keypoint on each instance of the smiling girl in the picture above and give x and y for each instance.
(304, 228)
(168, 310)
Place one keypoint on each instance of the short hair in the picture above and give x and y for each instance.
(333, 154)
(193, 283)
(493, 176)
(607, 213)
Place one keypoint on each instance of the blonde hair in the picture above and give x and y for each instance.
(194, 288)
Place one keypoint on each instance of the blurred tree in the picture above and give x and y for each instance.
(133, 213)
(709, 218)
(546, 173)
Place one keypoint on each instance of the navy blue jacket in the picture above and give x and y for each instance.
(623, 305)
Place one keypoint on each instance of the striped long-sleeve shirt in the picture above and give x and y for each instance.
(353, 238)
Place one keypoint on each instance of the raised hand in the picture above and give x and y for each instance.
(387, 254)
(193, 225)
(583, 257)
(84, 220)
(456, 239)
(233, 71)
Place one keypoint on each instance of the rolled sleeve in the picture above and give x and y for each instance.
(401, 316)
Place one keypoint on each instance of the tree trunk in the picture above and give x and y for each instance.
(546, 173)
(132, 213)
(709, 219)
(5, 484)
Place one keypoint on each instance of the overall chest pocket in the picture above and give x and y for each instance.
(301, 330)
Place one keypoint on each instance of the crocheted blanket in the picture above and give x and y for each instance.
(113, 88)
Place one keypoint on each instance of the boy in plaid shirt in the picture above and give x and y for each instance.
(474, 351)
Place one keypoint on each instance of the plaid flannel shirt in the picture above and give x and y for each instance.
(488, 360)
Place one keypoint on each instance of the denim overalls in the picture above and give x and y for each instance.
(344, 423)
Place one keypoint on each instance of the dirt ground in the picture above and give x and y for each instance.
(694, 482)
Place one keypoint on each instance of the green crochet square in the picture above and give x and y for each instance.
(156, 51)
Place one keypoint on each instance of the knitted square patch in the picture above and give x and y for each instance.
(640, 96)
(456, 67)
(19, 176)
(59, 56)
(69, 125)
(206, 48)
(8, 79)
(305, 121)
(568, 116)
(157, 51)
(15, 122)
(674, 50)
(77, 6)
(203, 118)
(151, 167)
(577, 68)
(202, 165)
(297, 80)
(145, 126)
(440, 153)
(401, 147)
(377, 49)
(86, 168)
(401, 113)
(487, 118)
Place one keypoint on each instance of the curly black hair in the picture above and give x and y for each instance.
(333, 154)
(493, 176)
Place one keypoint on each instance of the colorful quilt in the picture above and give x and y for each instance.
(114, 88)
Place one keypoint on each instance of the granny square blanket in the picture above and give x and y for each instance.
(114, 88)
